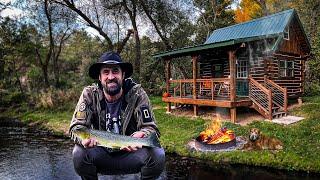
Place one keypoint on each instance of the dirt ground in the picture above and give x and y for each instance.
(245, 115)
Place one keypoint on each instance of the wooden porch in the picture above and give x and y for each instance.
(267, 97)
(209, 92)
(219, 92)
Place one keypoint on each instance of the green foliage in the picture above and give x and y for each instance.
(214, 15)
(35, 77)
(12, 97)
(312, 88)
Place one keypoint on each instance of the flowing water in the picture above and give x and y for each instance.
(26, 153)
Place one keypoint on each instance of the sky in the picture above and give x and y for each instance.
(11, 12)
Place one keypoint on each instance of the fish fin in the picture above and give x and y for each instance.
(154, 140)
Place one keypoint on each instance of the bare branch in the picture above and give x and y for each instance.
(97, 14)
(48, 16)
(125, 40)
(72, 6)
(39, 56)
(147, 12)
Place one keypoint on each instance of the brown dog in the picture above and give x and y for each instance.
(258, 141)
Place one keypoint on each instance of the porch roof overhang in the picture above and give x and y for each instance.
(197, 49)
(185, 51)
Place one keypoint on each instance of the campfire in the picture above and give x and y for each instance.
(216, 138)
(216, 135)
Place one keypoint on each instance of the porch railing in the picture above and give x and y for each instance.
(261, 98)
(205, 88)
(279, 94)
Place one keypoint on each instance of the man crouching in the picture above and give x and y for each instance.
(119, 105)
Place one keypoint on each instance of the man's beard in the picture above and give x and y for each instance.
(113, 90)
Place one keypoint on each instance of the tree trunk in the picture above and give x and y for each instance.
(17, 78)
(161, 35)
(138, 53)
(56, 72)
(44, 68)
(132, 14)
(56, 54)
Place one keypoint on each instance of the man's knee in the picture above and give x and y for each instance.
(154, 165)
(157, 156)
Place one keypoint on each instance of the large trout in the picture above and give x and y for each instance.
(116, 141)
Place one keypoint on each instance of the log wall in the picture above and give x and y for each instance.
(296, 45)
(293, 84)
(206, 66)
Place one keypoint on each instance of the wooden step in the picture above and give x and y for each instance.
(278, 115)
(275, 109)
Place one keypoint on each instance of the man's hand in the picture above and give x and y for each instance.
(137, 134)
(89, 143)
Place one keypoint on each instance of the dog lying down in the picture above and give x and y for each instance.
(258, 141)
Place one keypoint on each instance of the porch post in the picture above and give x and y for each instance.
(232, 62)
(168, 76)
(194, 81)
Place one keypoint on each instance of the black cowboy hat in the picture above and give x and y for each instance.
(110, 58)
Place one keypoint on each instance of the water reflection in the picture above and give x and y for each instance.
(30, 154)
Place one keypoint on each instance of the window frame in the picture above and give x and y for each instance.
(286, 71)
(242, 69)
(286, 33)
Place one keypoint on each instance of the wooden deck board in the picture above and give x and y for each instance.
(221, 102)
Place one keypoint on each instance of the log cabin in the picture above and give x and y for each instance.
(258, 64)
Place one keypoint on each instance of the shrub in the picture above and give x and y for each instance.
(312, 88)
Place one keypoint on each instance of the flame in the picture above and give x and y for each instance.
(211, 129)
(214, 134)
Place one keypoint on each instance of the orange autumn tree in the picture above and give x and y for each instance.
(251, 9)
(247, 10)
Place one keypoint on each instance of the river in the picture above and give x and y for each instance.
(30, 154)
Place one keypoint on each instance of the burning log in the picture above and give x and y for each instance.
(214, 134)
(221, 136)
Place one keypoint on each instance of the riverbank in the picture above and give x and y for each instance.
(301, 140)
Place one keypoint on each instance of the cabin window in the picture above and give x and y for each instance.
(286, 33)
(286, 68)
(242, 68)
(217, 70)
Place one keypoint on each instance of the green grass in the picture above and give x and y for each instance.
(301, 140)
(156, 101)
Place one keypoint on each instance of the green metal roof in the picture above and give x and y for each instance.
(272, 26)
(202, 47)
(268, 25)
(191, 49)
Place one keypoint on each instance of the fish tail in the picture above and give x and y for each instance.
(154, 140)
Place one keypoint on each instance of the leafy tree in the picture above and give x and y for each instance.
(101, 16)
(54, 26)
(80, 52)
(249, 9)
(214, 14)
(16, 46)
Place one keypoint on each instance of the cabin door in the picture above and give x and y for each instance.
(242, 83)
